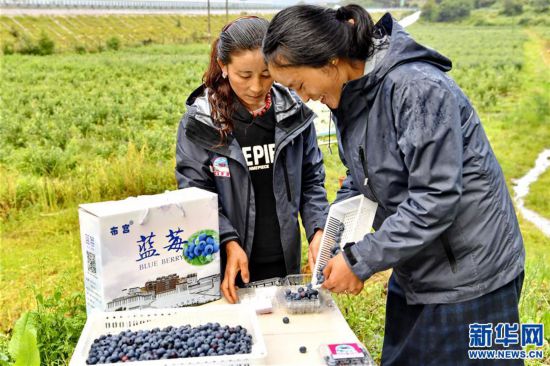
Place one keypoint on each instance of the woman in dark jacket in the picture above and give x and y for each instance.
(254, 144)
(413, 143)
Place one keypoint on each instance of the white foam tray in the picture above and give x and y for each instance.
(100, 323)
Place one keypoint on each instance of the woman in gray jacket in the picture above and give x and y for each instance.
(412, 142)
(254, 144)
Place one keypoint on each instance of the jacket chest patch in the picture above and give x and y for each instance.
(220, 167)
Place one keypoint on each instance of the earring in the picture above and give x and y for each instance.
(224, 75)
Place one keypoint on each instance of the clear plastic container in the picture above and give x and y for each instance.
(305, 305)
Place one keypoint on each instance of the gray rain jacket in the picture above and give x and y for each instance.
(298, 172)
(445, 223)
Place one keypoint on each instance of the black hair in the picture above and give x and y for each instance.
(245, 33)
(310, 35)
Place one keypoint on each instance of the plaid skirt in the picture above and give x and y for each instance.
(438, 334)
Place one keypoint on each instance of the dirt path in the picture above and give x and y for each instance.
(540, 55)
(521, 189)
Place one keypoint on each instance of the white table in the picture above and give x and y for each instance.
(283, 341)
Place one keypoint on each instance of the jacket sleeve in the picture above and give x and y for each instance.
(427, 122)
(193, 170)
(313, 202)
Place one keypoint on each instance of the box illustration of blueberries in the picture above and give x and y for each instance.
(156, 251)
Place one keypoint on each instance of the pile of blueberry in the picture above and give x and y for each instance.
(204, 245)
(333, 252)
(307, 293)
(210, 339)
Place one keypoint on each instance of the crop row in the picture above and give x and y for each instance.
(97, 33)
(84, 33)
(74, 115)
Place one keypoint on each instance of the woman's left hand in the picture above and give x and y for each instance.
(314, 248)
(339, 278)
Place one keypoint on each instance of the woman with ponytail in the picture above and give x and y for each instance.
(413, 143)
(254, 144)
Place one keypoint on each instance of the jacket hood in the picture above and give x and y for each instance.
(402, 49)
(284, 102)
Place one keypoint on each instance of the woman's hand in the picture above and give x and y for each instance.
(314, 248)
(339, 277)
(237, 261)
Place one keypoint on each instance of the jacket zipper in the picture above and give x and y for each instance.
(364, 164)
(247, 215)
(287, 183)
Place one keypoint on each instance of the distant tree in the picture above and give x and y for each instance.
(512, 7)
(45, 45)
(113, 43)
(540, 6)
(483, 3)
(429, 10)
(450, 10)
(372, 3)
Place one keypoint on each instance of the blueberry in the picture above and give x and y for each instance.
(202, 244)
(197, 251)
(286, 320)
(206, 339)
(303, 349)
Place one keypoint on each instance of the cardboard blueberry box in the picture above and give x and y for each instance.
(157, 251)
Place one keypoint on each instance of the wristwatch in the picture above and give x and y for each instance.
(349, 254)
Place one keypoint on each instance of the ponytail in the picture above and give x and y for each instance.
(361, 28)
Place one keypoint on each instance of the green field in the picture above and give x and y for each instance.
(90, 127)
(82, 33)
(90, 34)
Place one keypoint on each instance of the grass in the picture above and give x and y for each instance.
(539, 195)
(105, 145)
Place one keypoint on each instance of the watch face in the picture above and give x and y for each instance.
(349, 254)
(349, 244)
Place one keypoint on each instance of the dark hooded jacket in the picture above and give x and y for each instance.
(298, 172)
(412, 141)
